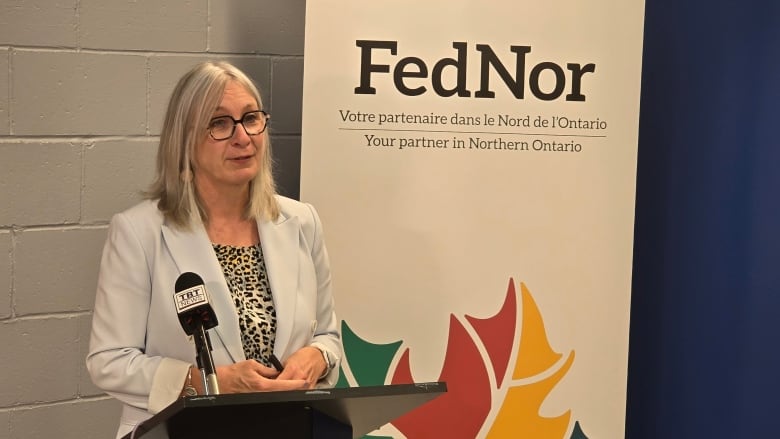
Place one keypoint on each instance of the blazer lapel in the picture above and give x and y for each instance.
(191, 250)
(279, 241)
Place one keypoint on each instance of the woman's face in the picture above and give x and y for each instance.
(226, 165)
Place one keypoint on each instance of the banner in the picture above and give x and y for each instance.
(474, 165)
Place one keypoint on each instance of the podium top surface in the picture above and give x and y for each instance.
(407, 391)
(363, 408)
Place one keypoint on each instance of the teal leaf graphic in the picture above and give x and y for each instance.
(577, 433)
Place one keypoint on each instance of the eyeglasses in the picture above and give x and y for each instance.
(223, 127)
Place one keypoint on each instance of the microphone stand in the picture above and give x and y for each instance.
(205, 361)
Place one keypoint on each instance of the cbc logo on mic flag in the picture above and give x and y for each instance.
(492, 395)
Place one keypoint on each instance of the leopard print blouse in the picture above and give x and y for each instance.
(244, 270)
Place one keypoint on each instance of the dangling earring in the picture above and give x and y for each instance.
(186, 175)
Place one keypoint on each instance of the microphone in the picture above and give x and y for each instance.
(196, 316)
(192, 303)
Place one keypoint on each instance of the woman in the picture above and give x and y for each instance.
(213, 210)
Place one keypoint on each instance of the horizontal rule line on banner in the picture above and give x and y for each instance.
(472, 132)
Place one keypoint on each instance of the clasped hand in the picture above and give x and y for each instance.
(301, 371)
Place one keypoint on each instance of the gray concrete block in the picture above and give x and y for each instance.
(56, 270)
(250, 26)
(172, 25)
(165, 71)
(40, 183)
(287, 99)
(56, 93)
(5, 273)
(287, 165)
(5, 126)
(85, 385)
(79, 419)
(5, 423)
(259, 70)
(38, 23)
(115, 173)
(41, 360)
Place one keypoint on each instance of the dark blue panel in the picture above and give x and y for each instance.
(705, 327)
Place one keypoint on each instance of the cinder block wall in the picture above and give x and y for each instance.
(83, 86)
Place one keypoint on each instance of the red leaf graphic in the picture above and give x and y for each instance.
(497, 333)
(461, 411)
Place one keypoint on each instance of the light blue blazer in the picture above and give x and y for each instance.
(138, 351)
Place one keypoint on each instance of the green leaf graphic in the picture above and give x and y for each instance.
(368, 362)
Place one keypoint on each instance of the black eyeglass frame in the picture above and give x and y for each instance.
(265, 114)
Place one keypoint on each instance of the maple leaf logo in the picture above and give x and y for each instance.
(479, 389)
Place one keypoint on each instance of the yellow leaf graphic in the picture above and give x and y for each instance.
(519, 413)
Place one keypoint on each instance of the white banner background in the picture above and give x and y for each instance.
(417, 234)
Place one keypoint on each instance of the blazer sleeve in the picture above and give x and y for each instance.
(327, 334)
(117, 362)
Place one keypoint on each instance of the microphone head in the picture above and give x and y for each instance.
(192, 303)
(187, 280)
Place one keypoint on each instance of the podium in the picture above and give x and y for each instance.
(300, 414)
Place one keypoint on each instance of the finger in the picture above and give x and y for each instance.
(263, 370)
(291, 384)
(285, 375)
(269, 373)
(291, 373)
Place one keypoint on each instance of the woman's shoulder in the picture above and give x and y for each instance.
(144, 212)
(306, 215)
(303, 211)
(143, 218)
(293, 208)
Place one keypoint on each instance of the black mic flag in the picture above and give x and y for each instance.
(192, 303)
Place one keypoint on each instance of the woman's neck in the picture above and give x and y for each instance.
(226, 222)
(240, 233)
